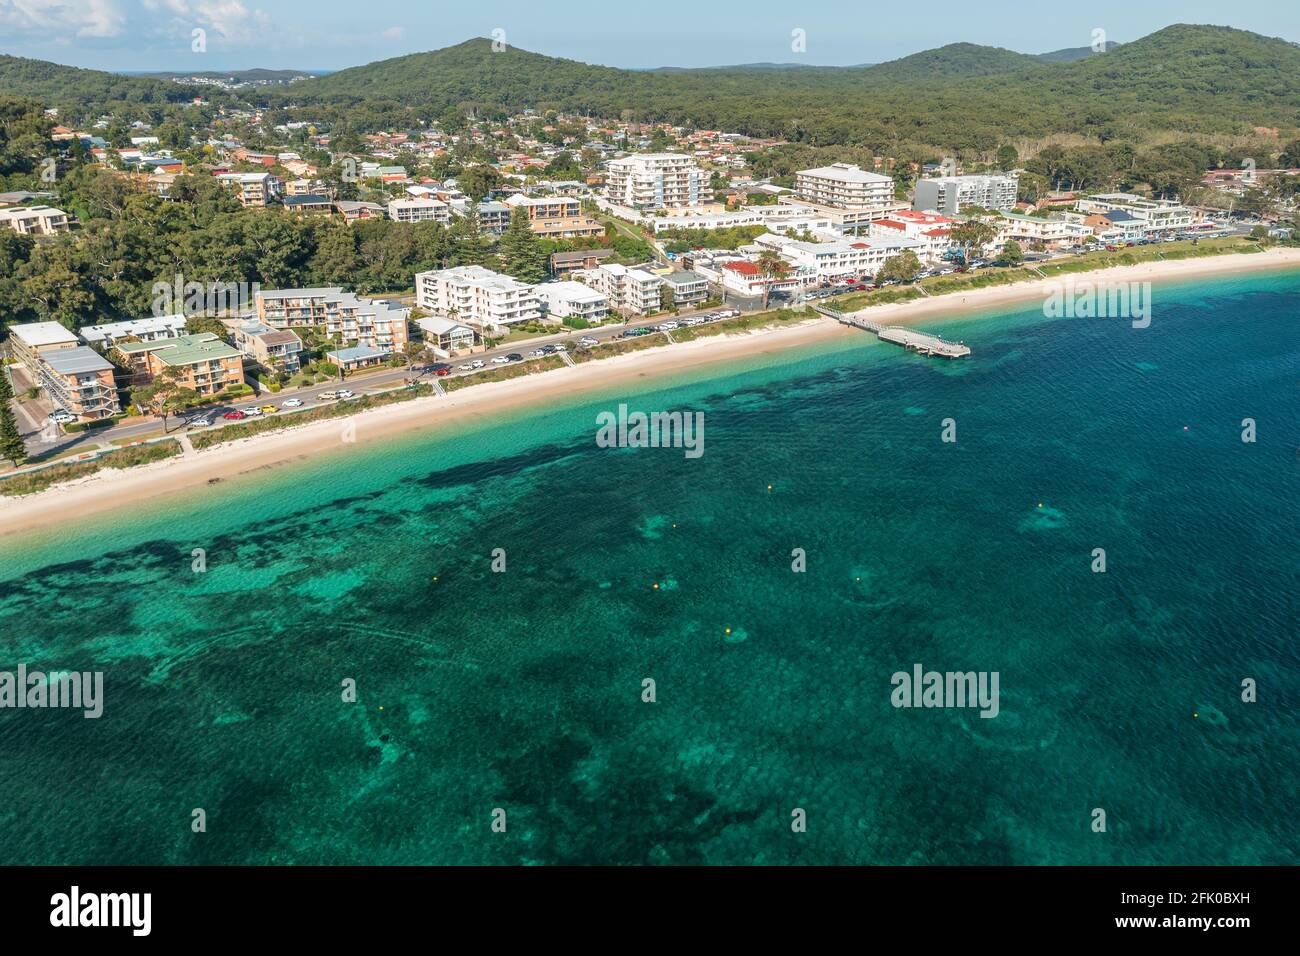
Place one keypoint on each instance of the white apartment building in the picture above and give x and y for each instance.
(688, 288)
(1155, 215)
(35, 220)
(845, 186)
(782, 218)
(254, 189)
(419, 209)
(656, 181)
(633, 291)
(573, 300)
(104, 337)
(1044, 230)
(948, 194)
(828, 261)
(931, 230)
(477, 296)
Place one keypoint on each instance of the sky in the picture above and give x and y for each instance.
(139, 35)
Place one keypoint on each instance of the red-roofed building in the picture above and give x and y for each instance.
(930, 229)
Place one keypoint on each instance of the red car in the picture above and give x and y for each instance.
(235, 415)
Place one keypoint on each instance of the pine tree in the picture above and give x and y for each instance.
(11, 440)
(522, 255)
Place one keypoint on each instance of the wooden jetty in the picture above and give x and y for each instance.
(910, 339)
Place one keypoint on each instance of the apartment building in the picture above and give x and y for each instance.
(931, 230)
(949, 194)
(564, 263)
(830, 261)
(309, 204)
(104, 337)
(687, 288)
(253, 189)
(279, 349)
(573, 300)
(419, 209)
(476, 296)
(201, 361)
(348, 318)
(787, 217)
(32, 341)
(656, 181)
(1051, 231)
(556, 217)
(630, 291)
(845, 186)
(80, 381)
(1153, 215)
(35, 220)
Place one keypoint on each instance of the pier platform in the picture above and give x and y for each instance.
(910, 339)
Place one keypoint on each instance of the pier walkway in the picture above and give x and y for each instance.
(910, 339)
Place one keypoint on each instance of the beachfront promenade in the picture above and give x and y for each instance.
(910, 339)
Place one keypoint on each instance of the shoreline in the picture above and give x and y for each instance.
(113, 489)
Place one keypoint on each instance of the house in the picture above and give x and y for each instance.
(280, 349)
(355, 211)
(1140, 216)
(358, 357)
(35, 220)
(201, 362)
(104, 337)
(656, 181)
(573, 300)
(746, 278)
(310, 204)
(445, 335)
(563, 263)
(344, 316)
(477, 296)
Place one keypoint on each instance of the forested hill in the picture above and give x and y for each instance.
(56, 84)
(1183, 78)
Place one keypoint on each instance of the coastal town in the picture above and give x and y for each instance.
(652, 228)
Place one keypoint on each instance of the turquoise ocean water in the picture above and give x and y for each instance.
(522, 690)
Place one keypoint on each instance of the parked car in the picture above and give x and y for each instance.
(728, 313)
(500, 360)
(559, 347)
(467, 367)
(548, 349)
(252, 411)
(293, 403)
(346, 393)
(199, 423)
(269, 409)
(442, 368)
(235, 416)
(60, 417)
(588, 342)
(538, 353)
(514, 357)
(327, 396)
(477, 363)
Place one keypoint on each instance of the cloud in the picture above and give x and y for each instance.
(229, 19)
(59, 19)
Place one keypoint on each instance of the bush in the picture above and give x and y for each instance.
(43, 478)
(97, 423)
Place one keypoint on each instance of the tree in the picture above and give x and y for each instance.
(522, 255)
(771, 267)
(1007, 156)
(411, 351)
(477, 181)
(1012, 254)
(971, 234)
(163, 396)
(11, 440)
(903, 267)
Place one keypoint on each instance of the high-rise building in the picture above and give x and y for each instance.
(656, 181)
(948, 194)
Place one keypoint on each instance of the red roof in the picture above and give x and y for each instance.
(937, 232)
(744, 268)
(891, 223)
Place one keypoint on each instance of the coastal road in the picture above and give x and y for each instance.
(361, 383)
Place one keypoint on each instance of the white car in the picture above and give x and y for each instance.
(536, 353)
(61, 417)
(252, 411)
(728, 313)
(199, 423)
(588, 341)
(560, 347)
(500, 360)
(667, 326)
(293, 403)
(345, 393)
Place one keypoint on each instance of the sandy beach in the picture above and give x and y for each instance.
(113, 489)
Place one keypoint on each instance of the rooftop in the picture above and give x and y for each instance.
(35, 334)
(77, 361)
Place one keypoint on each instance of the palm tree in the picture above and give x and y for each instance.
(771, 266)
